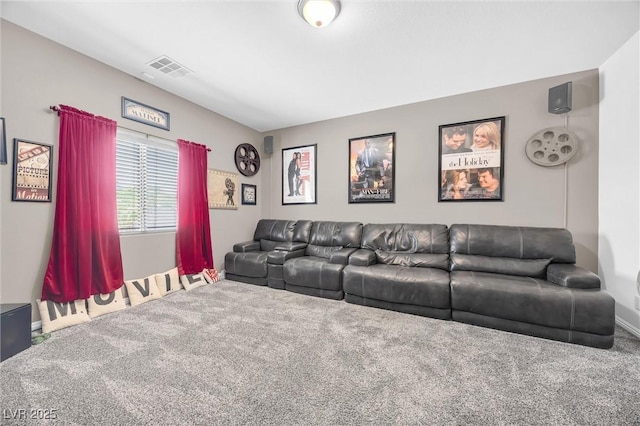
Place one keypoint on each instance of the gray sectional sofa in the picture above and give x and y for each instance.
(518, 279)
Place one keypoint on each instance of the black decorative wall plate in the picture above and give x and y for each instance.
(247, 159)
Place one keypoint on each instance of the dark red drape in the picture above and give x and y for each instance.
(193, 238)
(85, 254)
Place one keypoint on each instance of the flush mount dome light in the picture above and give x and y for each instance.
(319, 13)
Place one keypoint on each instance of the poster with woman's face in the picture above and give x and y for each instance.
(471, 166)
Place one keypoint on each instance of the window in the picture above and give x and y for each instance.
(146, 182)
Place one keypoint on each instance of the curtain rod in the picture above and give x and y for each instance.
(57, 109)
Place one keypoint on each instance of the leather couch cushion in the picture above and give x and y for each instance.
(409, 238)
(313, 272)
(321, 251)
(423, 260)
(301, 231)
(413, 286)
(268, 245)
(555, 244)
(250, 264)
(325, 238)
(275, 230)
(536, 268)
(401, 244)
(533, 301)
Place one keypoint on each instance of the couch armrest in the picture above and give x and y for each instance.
(290, 246)
(572, 276)
(278, 257)
(246, 246)
(341, 256)
(363, 257)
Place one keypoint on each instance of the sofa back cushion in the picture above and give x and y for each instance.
(302, 231)
(419, 245)
(271, 232)
(326, 237)
(512, 250)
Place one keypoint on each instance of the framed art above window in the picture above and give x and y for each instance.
(137, 111)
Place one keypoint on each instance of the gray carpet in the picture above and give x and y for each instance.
(233, 353)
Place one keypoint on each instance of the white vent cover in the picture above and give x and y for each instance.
(168, 66)
(551, 147)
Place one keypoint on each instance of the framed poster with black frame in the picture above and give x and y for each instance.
(32, 163)
(249, 194)
(3, 142)
(471, 160)
(372, 169)
(299, 175)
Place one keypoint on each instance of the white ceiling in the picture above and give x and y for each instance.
(260, 64)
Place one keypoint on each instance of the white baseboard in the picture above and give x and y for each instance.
(630, 328)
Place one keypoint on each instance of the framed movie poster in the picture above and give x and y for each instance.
(32, 163)
(471, 160)
(299, 175)
(222, 189)
(372, 169)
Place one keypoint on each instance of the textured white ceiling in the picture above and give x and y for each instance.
(259, 63)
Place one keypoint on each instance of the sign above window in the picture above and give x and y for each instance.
(146, 114)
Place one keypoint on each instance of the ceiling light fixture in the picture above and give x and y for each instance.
(319, 13)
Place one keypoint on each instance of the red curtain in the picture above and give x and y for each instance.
(85, 254)
(193, 238)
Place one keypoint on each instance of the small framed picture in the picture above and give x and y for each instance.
(372, 169)
(471, 161)
(3, 142)
(299, 182)
(249, 194)
(32, 162)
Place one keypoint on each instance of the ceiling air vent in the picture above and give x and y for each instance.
(168, 66)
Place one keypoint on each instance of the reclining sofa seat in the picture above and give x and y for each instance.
(524, 280)
(248, 262)
(401, 267)
(319, 271)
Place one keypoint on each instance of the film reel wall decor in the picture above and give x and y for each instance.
(247, 159)
(552, 146)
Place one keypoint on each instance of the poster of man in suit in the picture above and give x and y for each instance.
(371, 172)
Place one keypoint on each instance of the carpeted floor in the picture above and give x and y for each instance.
(233, 353)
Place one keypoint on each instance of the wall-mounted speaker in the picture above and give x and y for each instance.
(268, 144)
(15, 328)
(560, 98)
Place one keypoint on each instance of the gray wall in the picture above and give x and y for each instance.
(533, 195)
(37, 73)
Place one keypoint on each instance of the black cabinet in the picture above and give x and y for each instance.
(15, 328)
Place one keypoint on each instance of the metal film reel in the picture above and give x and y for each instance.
(247, 159)
(552, 146)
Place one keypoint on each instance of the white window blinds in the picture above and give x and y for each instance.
(146, 182)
